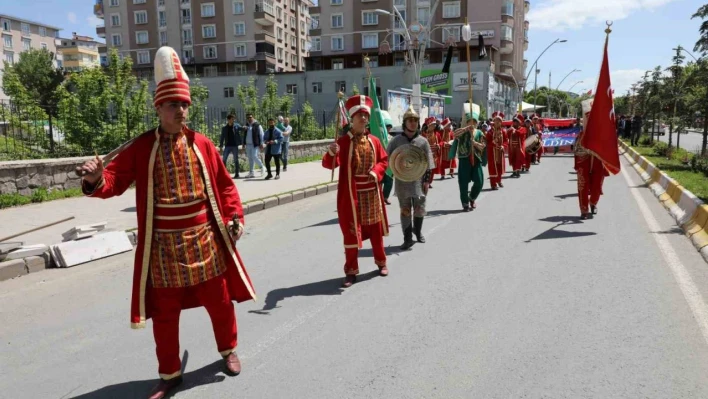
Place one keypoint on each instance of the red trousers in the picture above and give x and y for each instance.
(591, 175)
(517, 158)
(496, 180)
(166, 305)
(374, 233)
(528, 160)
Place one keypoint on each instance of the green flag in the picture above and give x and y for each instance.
(376, 122)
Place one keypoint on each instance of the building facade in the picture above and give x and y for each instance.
(213, 37)
(20, 35)
(78, 52)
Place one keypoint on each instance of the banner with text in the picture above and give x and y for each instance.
(560, 137)
(459, 81)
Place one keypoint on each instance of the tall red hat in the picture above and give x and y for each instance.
(520, 118)
(356, 104)
(445, 123)
(429, 120)
(171, 79)
(498, 115)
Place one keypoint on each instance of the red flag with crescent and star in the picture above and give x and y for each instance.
(600, 137)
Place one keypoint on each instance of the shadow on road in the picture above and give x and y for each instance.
(320, 288)
(573, 180)
(320, 224)
(442, 212)
(209, 374)
(674, 230)
(566, 196)
(131, 209)
(572, 173)
(554, 233)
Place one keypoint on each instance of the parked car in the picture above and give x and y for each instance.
(659, 127)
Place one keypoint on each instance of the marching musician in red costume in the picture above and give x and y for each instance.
(517, 150)
(430, 134)
(445, 138)
(496, 143)
(538, 126)
(363, 162)
(189, 215)
(591, 173)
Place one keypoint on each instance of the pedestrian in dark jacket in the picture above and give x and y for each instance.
(230, 140)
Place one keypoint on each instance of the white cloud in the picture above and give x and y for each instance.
(622, 80)
(71, 17)
(560, 15)
(94, 21)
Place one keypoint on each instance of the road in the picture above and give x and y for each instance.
(518, 299)
(689, 141)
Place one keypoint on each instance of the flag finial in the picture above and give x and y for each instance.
(609, 25)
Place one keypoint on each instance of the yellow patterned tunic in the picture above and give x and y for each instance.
(368, 200)
(187, 256)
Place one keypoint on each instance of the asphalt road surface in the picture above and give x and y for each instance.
(689, 141)
(518, 299)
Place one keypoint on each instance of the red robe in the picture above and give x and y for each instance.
(591, 175)
(445, 161)
(517, 151)
(136, 164)
(496, 161)
(434, 139)
(346, 187)
(539, 130)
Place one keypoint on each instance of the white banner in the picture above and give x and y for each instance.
(459, 81)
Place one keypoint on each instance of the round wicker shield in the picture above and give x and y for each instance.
(408, 163)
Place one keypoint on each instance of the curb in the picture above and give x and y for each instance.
(690, 213)
(20, 267)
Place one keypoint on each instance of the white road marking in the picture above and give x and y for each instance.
(683, 278)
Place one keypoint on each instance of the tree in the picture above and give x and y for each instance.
(702, 46)
(268, 105)
(549, 98)
(197, 111)
(676, 84)
(38, 79)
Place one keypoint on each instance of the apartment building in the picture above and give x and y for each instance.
(343, 31)
(78, 52)
(214, 37)
(20, 35)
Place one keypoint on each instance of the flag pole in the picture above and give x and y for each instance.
(340, 95)
(469, 71)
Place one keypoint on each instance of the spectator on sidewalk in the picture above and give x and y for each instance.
(273, 141)
(636, 129)
(287, 132)
(229, 142)
(254, 143)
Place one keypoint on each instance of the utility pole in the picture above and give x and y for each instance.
(535, 90)
(678, 59)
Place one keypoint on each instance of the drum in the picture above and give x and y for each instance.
(532, 144)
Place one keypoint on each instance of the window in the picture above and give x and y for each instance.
(116, 40)
(115, 19)
(209, 52)
(163, 38)
(340, 86)
(302, 44)
(139, 1)
(26, 44)
(279, 13)
(397, 23)
(453, 31)
(162, 17)
(423, 15)
(292, 23)
(7, 41)
(336, 2)
(507, 33)
(143, 57)
(315, 21)
(291, 88)
(141, 17)
(239, 7)
(316, 44)
(228, 92)
(399, 3)
(337, 43)
(317, 87)
(239, 50)
(508, 8)
(10, 57)
(188, 56)
(43, 45)
(187, 37)
(114, 3)
(293, 59)
(280, 34)
(373, 63)
(208, 10)
(141, 37)
(451, 10)
(42, 31)
(186, 16)
(280, 54)
(369, 40)
(161, 2)
(208, 31)
(240, 29)
(337, 21)
(6, 25)
(293, 5)
(25, 28)
(369, 18)
(302, 26)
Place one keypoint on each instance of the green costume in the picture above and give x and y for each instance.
(469, 170)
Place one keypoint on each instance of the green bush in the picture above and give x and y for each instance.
(39, 195)
(661, 149)
(645, 141)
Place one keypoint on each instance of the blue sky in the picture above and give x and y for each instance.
(644, 32)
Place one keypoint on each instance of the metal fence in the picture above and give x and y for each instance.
(28, 131)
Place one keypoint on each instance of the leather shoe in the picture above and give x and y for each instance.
(383, 271)
(349, 281)
(164, 387)
(233, 365)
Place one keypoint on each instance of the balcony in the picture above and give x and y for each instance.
(315, 32)
(268, 57)
(507, 46)
(98, 9)
(527, 6)
(526, 24)
(507, 20)
(264, 13)
(507, 67)
(264, 37)
(101, 31)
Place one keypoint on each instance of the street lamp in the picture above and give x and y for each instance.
(574, 84)
(518, 89)
(566, 76)
(535, 63)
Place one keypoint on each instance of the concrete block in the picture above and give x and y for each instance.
(255, 206)
(310, 192)
(12, 269)
(704, 253)
(285, 199)
(26, 251)
(332, 186)
(270, 202)
(74, 253)
(132, 237)
(245, 208)
(321, 189)
(298, 195)
(38, 263)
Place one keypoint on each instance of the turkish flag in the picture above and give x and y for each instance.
(600, 136)
(589, 93)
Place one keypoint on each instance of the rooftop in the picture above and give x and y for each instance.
(5, 16)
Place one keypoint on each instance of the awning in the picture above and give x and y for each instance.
(529, 107)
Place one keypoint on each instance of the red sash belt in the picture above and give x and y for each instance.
(363, 184)
(177, 217)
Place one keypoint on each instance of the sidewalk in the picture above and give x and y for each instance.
(119, 212)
